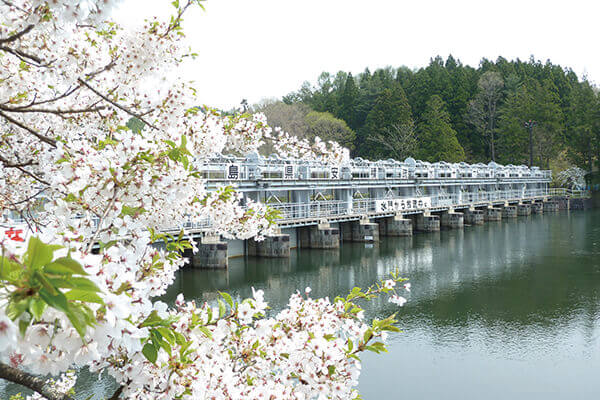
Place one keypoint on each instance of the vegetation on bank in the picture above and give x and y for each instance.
(454, 112)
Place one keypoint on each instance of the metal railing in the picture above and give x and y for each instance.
(573, 193)
(333, 208)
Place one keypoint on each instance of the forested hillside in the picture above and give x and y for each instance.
(453, 112)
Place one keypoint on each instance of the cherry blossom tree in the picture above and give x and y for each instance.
(98, 140)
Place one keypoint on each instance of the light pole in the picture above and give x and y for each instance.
(529, 125)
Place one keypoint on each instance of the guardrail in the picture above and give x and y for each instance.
(573, 193)
(335, 208)
(332, 208)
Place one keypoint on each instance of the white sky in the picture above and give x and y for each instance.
(257, 49)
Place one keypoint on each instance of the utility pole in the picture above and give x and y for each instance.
(529, 125)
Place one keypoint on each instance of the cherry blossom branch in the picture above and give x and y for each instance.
(23, 56)
(32, 382)
(18, 35)
(8, 164)
(119, 106)
(92, 108)
(67, 93)
(101, 218)
(117, 394)
(35, 133)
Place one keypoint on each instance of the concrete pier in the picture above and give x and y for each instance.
(272, 246)
(564, 203)
(320, 236)
(550, 206)
(362, 231)
(474, 217)
(452, 220)
(537, 208)
(395, 226)
(212, 253)
(492, 214)
(523, 210)
(509, 212)
(581, 204)
(427, 223)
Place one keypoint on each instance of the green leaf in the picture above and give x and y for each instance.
(167, 334)
(58, 300)
(37, 307)
(45, 283)
(78, 319)
(38, 253)
(149, 351)
(206, 331)
(65, 266)
(227, 298)
(126, 210)
(135, 125)
(152, 320)
(331, 370)
(15, 309)
(84, 284)
(222, 308)
(84, 295)
(24, 323)
(9, 270)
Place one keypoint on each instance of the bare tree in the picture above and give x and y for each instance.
(400, 140)
(482, 111)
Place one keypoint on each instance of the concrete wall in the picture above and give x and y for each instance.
(211, 255)
(272, 246)
(395, 226)
(474, 217)
(318, 237)
(452, 220)
(509, 212)
(427, 223)
(524, 210)
(492, 214)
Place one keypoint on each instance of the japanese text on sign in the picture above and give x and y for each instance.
(402, 204)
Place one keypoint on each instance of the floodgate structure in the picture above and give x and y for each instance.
(323, 205)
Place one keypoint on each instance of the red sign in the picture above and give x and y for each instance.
(14, 234)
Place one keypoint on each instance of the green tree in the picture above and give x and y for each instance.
(328, 127)
(348, 102)
(438, 141)
(391, 108)
(549, 131)
(582, 127)
(513, 138)
(482, 112)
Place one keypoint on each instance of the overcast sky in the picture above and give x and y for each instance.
(258, 49)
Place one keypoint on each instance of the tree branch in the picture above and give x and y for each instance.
(20, 167)
(117, 394)
(120, 107)
(32, 382)
(23, 56)
(52, 111)
(21, 125)
(67, 93)
(17, 35)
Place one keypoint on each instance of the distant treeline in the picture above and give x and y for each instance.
(453, 112)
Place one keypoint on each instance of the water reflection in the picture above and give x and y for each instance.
(490, 305)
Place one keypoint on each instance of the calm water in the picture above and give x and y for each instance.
(508, 310)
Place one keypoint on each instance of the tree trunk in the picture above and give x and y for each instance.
(32, 382)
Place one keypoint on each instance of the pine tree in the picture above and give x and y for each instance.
(348, 102)
(391, 109)
(582, 126)
(438, 141)
(513, 138)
